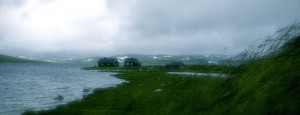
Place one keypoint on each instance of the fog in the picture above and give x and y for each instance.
(83, 28)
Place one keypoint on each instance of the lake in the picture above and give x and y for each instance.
(220, 75)
(35, 86)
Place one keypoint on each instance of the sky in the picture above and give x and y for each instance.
(83, 28)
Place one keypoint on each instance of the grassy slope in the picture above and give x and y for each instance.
(178, 95)
(9, 59)
(269, 86)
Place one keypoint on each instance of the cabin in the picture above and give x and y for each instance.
(131, 62)
(108, 62)
(175, 66)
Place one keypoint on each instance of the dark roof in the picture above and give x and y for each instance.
(175, 63)
(107, 60)
(128, 60)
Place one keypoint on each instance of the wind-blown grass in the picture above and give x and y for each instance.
(268, 85)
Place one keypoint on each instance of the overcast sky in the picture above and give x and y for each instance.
(83, 28)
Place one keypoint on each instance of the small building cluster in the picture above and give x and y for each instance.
(174, 66)
(131, 62)
(108, 62)
(114, 62)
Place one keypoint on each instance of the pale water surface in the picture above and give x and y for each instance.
(34, 86)
(220, 75)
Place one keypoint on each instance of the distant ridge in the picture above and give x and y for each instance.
(10, 59)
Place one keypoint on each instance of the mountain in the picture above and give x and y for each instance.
(10, 59)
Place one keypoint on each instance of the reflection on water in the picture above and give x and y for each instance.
(200, 74)
(36, 86)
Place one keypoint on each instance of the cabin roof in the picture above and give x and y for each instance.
(128, 60)
(107, 60)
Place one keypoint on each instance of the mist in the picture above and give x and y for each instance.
(85, 28)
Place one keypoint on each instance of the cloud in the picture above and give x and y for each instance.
(58, 25)
(109, 27)
(205, 25)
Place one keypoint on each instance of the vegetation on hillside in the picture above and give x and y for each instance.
(9, 59)
(265, 85)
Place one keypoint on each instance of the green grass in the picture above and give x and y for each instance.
(270, 86)
(148, 92)
(266, 86)
(187, 68)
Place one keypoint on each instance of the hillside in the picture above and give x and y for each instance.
(260, 86)
(266, 86)
(9, 59)
(268, 82)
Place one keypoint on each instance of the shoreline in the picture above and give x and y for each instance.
(141, 83)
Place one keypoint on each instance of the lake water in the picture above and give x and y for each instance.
(220, 75)
(34, 86)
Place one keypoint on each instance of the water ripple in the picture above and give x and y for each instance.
(34, 86)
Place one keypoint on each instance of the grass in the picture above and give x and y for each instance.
(187, 68)
(148, 92)
(265, 86)
(271, 86)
